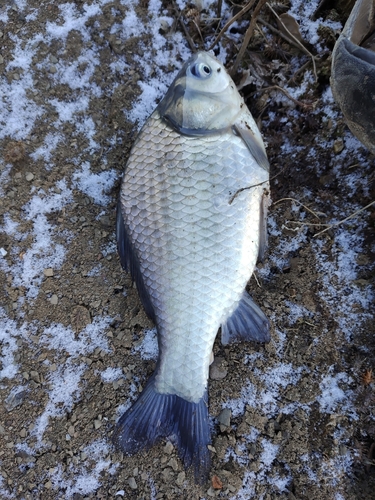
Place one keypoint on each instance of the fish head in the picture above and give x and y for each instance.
(202, 99)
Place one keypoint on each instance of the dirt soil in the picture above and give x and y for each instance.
(314, 445)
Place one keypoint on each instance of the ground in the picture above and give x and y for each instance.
(293, 419)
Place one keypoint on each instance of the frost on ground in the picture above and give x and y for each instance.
(77, 81)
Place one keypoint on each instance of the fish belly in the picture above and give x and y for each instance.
(196, 249)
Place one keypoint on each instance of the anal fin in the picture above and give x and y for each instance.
(248, 322)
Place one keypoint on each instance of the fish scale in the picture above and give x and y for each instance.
(217, 252)
(190, 226)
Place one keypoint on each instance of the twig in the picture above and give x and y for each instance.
(244, 189)
(300, 45)
(302, 205)
(255, 185)
(257, 281)
(303, 223)
(303, 105)
(248, 35)
(230, 22)
(299, 70)
(188, 37)
(346, 218)
(218, 9)
(277, 32)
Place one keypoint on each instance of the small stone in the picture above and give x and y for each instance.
(53, 59)
(14, 399)
(173, 463)
(132, 483)
(1, 60)
(54, 299)
(338, 146)
(218, 370)
(71, 430)
(29, 176)
(48, 485)
(23, 433)
(180, 478)
(343, 450)
(168, 448)
(3, 252)
(48, 272)
(211, 492)
(97, 424)
(35, 376)
(52, 69)
(224, 417)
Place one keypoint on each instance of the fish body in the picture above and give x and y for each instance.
(190, 227)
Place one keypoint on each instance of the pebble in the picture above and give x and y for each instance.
(14, 399)
(173, 463)
(180, 478)
(97, 424)
(48, 272)
(132, 483)
(338, 146)
(54, 299)
(29, 176)
(224, 417)
(218, 370)
(168, 448)
(35, 376)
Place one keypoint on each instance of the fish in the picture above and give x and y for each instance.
(191, 225)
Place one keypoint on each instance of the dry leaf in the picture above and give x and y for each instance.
(216, 483)
(367, 378)
(291, 25)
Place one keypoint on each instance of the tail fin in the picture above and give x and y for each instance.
(154, 416)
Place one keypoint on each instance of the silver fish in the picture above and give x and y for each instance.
(191, 223)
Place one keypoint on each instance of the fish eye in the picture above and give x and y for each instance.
(201, 70)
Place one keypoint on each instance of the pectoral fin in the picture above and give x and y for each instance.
(253, 142)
